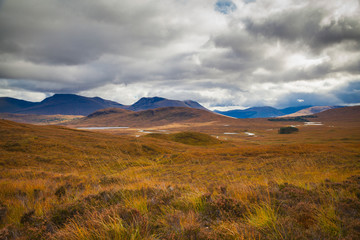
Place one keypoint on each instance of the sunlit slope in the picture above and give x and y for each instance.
(65, 148)
(309, 111)
(147, 118)
(38, 119)
(343, 115)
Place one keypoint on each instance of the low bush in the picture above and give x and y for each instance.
(288, 130)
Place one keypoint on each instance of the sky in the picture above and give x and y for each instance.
(225, 54)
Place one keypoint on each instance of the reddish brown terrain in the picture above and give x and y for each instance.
(181, 173)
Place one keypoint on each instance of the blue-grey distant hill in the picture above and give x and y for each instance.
(71, 104)
(261, 112)
(65, 104)
(11, 105)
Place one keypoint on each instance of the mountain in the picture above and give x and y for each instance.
(310, 111)
(291, 110)
(71, 104)
(12, 104)
(151, 117)
(255, 112)
(340, 115)
(261, 112)
(68, 104)
(158, 102)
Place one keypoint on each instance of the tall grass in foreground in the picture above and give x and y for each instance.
(136, 189)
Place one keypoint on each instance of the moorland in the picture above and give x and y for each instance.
(200, 177)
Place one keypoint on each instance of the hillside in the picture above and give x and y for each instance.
(38, 119)
(340, 115)
(262, 112)
(61, 183)
(309, 111)
(153, 117)
(255, 112)
(158, 102)
(26, 144)
(10, 105)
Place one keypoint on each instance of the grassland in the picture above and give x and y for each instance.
(62, 183)
(39, 119)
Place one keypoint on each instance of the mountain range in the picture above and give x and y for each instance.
(261, 112)
(65, 104)
(71, 104)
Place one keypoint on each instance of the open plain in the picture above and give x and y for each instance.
(199, 178)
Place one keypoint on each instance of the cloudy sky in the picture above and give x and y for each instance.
(221, 53)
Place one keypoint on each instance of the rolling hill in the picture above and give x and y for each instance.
(310, 111)
(158, 102)
(152, 117)
(62, 183)
(38, 119)
(340, 115)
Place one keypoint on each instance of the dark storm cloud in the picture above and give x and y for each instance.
(349, 94)
(57, 43)
(306, 31)
(317, 71)
(75, 32)
(315, 99)
(344, 95)
(305, 25)
(59, 87)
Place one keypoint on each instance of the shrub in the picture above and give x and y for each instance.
(288, 130)
(189, 138)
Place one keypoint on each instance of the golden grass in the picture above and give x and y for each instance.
(59, 183)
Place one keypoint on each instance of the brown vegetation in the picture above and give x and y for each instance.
(147, 118)
(38, 119)
(61, 183)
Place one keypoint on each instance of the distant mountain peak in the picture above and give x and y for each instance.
(149, 100)
(72, 104)
(64, 95)
(65, 104)
(260, 112)
(61, 97)
(146, 103)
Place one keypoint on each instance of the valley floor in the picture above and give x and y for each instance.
(63, 183)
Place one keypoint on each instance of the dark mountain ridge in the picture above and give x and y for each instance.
(68, 104)
(71, 104)
(11, 105)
